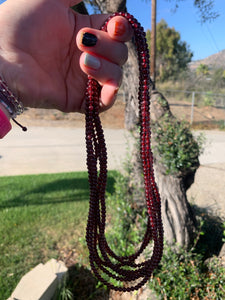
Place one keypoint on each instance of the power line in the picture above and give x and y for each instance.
(213, 38)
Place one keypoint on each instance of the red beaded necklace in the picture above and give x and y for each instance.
(102, 259)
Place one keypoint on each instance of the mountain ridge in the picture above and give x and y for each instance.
(213, 61)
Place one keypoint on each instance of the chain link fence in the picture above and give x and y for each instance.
(204, 108)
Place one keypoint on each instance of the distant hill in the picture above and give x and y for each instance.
(214, 61)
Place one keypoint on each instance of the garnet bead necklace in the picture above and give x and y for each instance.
(105, 264)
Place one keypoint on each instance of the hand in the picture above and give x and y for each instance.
(41, 56)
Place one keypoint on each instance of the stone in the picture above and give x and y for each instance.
(41, 282)
(57, 267)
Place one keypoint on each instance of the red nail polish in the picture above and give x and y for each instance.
(119, 29)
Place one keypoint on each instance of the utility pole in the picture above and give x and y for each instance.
(153, 43)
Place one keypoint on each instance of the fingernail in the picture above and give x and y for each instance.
(89, 39)
(119, 29)
(92, 61)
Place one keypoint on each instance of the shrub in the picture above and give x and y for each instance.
(184, 275)
(124, 235)
(176, 146)
(209, 99)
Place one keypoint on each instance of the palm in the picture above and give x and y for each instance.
(39, 56)
(49, 57)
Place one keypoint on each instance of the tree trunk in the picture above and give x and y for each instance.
(177, 216)
(101, 4)
(113, 6)
(178, 219)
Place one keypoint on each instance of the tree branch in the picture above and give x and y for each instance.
(205, 8)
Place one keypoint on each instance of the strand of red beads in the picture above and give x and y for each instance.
(104, 262)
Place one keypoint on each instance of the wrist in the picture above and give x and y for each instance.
(10, 107)
(11, 103)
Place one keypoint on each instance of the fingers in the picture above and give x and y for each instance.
(101, 44)
(103, 55)
(100, 68)
(108, 74)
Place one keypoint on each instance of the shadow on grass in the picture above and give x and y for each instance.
(84, 285)
(54, 192)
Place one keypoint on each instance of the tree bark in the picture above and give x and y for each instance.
(177, 216)
(113, 6)
(101, 4)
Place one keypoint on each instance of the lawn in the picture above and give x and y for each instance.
(39, 215)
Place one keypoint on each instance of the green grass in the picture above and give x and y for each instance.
(39, 215)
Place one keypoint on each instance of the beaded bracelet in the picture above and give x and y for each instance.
(129, 273)
(10, 102)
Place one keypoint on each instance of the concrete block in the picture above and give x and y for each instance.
(57, 267)
(41, 282)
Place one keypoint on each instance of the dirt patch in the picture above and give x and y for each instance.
(203, 117)
(206, 115)
(113, 118)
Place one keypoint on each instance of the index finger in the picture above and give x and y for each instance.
(120, 29)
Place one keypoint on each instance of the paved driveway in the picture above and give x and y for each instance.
(208, 189)
(51, 150)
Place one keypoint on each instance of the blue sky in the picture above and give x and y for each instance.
(204, 40)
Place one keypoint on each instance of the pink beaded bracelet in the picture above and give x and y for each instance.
(5, 125)
(12, 105)
(9, 98)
